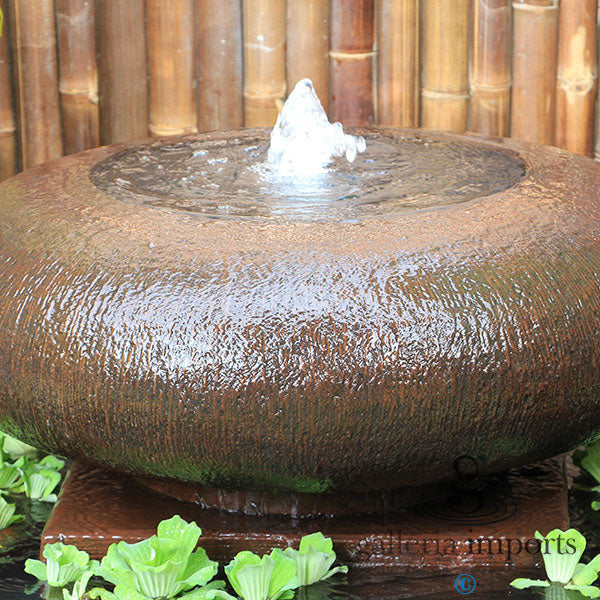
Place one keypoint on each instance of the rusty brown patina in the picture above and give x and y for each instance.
(268, 351)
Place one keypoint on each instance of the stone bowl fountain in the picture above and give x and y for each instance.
(168, 311)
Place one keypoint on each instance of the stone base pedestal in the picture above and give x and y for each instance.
(490, 526)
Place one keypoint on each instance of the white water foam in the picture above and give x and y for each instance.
(303, 141)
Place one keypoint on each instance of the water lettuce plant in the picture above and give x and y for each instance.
(16, 448)
(22, 472)
(10, 474)
(561, 551)
(314, 559)
(64, 564)
(163, 566)
(79, 588)
(40, 478)
(169, 566)
(276, 575)
(39, 484)
(271, 577)
(589, 460)
(7, 514)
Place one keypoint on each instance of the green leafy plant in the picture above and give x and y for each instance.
(314, 559)
(589, 461)
(80, 587)
(16, 448)
(10, 474)
(64, 564)
(40, 479)
(21, 471)
(39, 485)
(11, 461)
(163, 566)
(168, 566)
(51, 462)
(561, 551)
(7, 514)
(271, 577)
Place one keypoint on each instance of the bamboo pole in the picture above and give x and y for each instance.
(308, 45)
(398, 63)
(33, 38)
(535, 30)
(264, 61)
(171, 66)
(597, 128)
(491, 67)
(219, 64)
(352, 56)
(445, 93)
(122, 70)
(577, 74)
(78, 75)
(8, 130)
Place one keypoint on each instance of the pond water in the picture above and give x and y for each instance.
(16, 585)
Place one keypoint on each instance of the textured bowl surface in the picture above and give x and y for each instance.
(272, 350)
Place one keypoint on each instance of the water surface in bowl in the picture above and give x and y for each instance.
(230, 178)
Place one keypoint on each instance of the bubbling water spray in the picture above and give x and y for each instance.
(303, 141)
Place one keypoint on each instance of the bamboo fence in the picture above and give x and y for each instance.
(122, 71)
(264, 60)
(445, 92)
(308, 45)
(577, 75)
(8, 129)
(219, 68)
(352, 61)
(490, 67)
(399, 63)
(535, 51)
(33, 37)
(78, 73)
(170, 30)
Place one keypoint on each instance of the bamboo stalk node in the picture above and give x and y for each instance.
(262, 95)
(536, 8)
(352, 55)
(581, 86)
(446, 95)
(486, 87)
(264, 47)
(90, 93)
